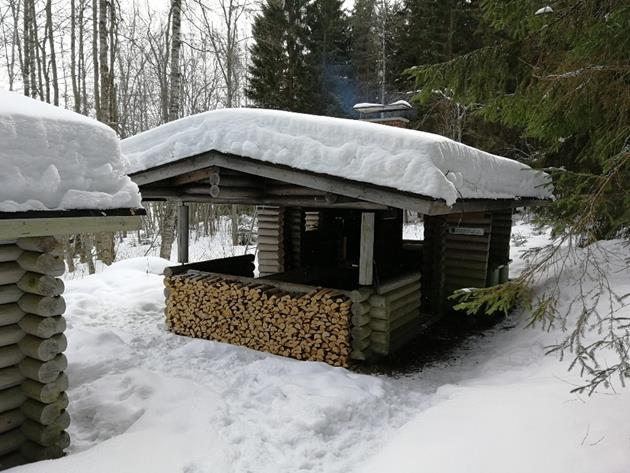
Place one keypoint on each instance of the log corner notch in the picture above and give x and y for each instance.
(33, 419)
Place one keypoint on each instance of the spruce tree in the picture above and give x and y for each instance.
(269, 60)
(365, 50)
(328, 56)
(561, 79)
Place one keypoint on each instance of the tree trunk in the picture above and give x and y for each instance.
(176, 42)
(95, 35)
(169, 220)
(169, 217)
(53, 58)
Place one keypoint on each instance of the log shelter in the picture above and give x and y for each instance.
(337, 281)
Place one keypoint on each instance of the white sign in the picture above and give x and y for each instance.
(465, 231)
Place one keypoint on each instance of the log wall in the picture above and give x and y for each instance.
(33, 419)
(395, 313)
(467, 255)
(270, 240)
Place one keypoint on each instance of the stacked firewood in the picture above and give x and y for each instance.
(306, 326)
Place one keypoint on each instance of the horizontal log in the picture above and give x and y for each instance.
(288, 190)
(267, 232)
(12, 460)
(11, 399)
(10, 314)
(11, 441)
(42, 305)
(391, 297)
(10, 355)
(45, 393)
(45, 413)
(267, 226)
(269, 240)
(10, 376)
(411, 302)
(273, 211)
(381, 338)
(358, 355)
(359, 320)
(398, 282)
(43, 349)
(43, 371)
(46, 435)
(383, 325)
(42, 327)
(360, 294)
(361, 344)
(360, 332)
(10, 272)
(270, 248)
(41, 284)
(10, 335)
(44, 244)
(10, 420)
(210, 174)
(10, 293)
(42, 263)
(34, 452)
(361, 308)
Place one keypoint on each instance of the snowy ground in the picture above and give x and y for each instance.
(144, 400)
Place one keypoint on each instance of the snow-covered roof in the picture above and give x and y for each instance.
(55, 159)
(407, 160)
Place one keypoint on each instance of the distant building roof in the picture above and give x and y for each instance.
(367, 108)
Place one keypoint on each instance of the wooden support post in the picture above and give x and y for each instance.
(182, 234)
(366, 257)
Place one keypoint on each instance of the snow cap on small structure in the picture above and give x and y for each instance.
(397, 106)
(406, 160)
(544, 10)
(55, 159)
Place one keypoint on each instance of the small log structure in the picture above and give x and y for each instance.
(33, 382)
(33, 419)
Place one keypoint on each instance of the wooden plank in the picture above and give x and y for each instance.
(398, 282)
(64, 226)
(366, 254)
(183, 238)
(222, 265)
(196, 176)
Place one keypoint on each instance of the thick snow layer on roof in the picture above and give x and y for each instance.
(366, 105)
(55, 159)
(407, 160)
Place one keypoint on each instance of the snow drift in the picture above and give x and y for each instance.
(413, 161)
(55, 159)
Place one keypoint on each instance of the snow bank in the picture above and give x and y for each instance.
(408, 160)
(55, 159)
(515, 412)
(146, 401)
